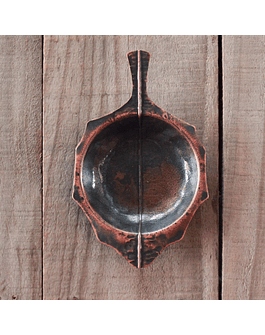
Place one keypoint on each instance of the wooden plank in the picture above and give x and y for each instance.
(244, 167)
(87, 77)
(20, 167)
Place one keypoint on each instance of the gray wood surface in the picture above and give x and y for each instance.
(20, 167)
(244, 167)
(86, 77)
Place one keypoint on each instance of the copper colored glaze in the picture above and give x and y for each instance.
(139, 174)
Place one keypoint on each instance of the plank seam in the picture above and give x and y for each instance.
(220, 126)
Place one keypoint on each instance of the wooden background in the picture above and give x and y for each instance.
(51, 86)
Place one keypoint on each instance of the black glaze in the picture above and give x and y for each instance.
(111, 176)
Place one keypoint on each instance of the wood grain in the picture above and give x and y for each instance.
(86, 77)
(20, 167)
(244, 167)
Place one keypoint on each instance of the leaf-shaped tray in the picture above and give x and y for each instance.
(139, 174)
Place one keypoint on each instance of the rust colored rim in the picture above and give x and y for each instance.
(140, 249)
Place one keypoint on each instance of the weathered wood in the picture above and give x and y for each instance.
(244, 167)
(20, 167)
(86, 77)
